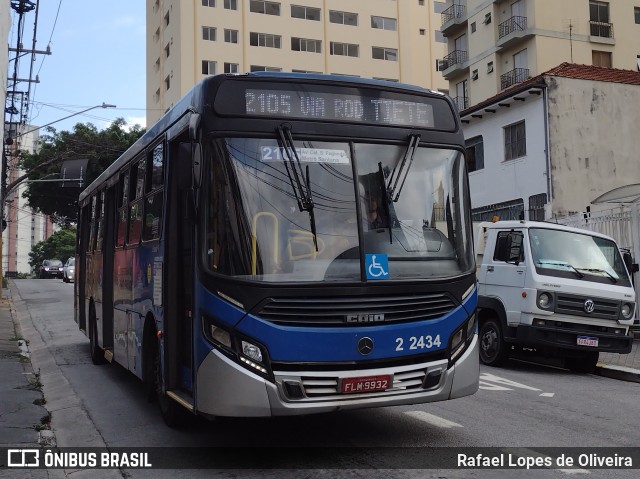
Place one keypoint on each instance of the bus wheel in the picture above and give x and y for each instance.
(493, 350)
(97, 353)
(585, 363)
(172, 413)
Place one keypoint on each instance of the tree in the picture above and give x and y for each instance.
(101, 148)
(60, 245)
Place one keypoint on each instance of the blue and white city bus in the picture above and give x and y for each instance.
(281, 244)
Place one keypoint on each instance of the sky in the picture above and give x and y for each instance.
(98, 56)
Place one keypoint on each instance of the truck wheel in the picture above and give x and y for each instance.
(493, 350)
(584, 364)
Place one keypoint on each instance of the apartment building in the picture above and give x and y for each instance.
(397, 40)
(495, 44)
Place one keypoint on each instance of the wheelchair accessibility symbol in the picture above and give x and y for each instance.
(377, 266)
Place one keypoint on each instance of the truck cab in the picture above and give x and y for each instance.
(561, 291)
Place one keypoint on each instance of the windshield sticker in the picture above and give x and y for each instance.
(377, 266)
(306, 155)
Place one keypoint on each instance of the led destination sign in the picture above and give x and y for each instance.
(339, 107)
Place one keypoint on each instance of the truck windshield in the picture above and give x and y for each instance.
(576, 255)
(257, 231)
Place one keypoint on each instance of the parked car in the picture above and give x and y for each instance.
(69, 270)
(51, 268)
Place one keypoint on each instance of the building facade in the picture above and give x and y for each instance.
(495, 44)
(397, 40)
(550, 146)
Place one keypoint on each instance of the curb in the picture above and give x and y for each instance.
(618, 372)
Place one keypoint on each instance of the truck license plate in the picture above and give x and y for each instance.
(366, 384)
(587, 341)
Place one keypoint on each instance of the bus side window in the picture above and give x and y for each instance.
(154, 193)
(92, 226)
(123, 191)
(136, 203)
(99, 221)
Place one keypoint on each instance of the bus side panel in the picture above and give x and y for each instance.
(122, 304)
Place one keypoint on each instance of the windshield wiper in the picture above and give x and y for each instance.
(300, 183)
(385, 200)
(562, 263)
(597, 270)
(410, 152)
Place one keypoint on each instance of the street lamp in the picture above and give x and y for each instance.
(4, 192)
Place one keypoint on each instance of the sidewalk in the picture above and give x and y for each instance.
(24, 422)
(621, 366)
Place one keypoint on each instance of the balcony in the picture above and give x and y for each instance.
(517, 75)
(462, 102)
(452, 18)
(601, 32)
(454, 63)
(512, 31)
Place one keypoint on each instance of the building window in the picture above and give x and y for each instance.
(208, 3)
(423, 31)
(231, 67)
(264, 40)
(474, 153)
(306, 45)
(266, 8)
(636, 14)
(167, 82)
(345, 49)
(167, 50)
(601, 59)
(157, 65)
(156, 36)
(156, 97)
(473, 27)
(306, 13)
(209, 33)
(231, 4)
(382, 53)
(487, 18)
(489, 67)
(515, 141)
(208, 67)
(599, 19)
(421, 3)
(474, 75)
(536, 207)
(344, 18)
(384, 23)
(166, 19)
(230, 36)
(259, 68)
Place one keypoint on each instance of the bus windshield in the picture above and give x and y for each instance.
(256, 230)
(574, 255)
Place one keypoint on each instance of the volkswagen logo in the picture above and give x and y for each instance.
(589, 306)
(365, 346)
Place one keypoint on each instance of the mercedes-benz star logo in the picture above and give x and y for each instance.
(589, 306)
(365, 346)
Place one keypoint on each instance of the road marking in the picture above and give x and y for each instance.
(574, 471)
(431, 419)
(547, 395)
(506, 382)
(492, 387)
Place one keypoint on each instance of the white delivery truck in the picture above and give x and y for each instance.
(561, 291)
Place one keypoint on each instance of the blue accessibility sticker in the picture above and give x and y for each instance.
(377, 266)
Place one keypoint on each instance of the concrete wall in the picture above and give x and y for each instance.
(595, 145)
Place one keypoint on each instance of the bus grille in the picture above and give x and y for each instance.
(574, 305)
(356, 311)
(323, 387)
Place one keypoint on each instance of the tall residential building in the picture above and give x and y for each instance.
(494, 44)
(396, 40)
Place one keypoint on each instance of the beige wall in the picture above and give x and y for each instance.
(594, 141)
(417, 53)
(557, 31)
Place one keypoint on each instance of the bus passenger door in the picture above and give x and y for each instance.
(179, 260)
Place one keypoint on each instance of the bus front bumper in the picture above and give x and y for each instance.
(224, 388)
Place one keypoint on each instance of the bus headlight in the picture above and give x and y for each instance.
(462, 338)
(627, 310)
(240, 349)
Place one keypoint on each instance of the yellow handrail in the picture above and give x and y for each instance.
(254, 239)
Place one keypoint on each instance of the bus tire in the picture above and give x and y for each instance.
(493, 349)
(97, 353)
(172, 413)
(586, 363)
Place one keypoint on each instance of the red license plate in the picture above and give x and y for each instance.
(366, 384)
